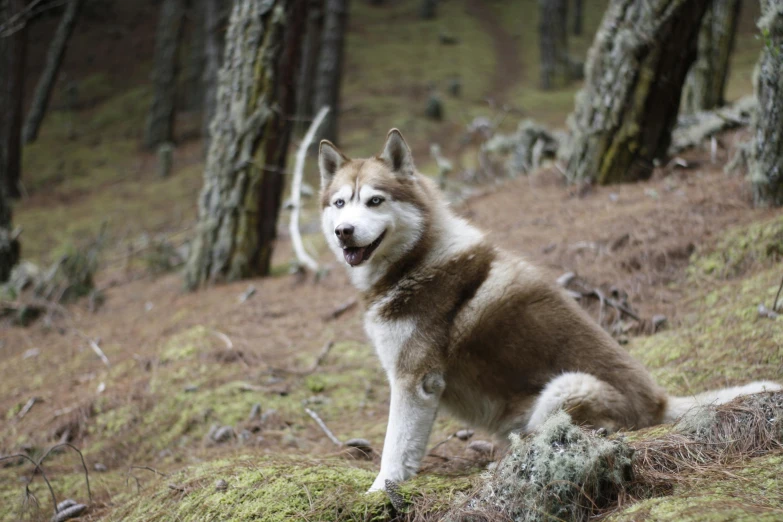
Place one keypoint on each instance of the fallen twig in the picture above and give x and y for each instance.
(775, 302)
(27, 407)
(318, 361)
(39, 470)
(81, 456)
(296, 188)
(340, 310)
(323, 427)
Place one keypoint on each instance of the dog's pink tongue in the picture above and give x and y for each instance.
(354, 256)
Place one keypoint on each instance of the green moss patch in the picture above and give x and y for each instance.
(276, 489)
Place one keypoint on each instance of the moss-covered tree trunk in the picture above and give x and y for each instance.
(54, 58)
(305, 85)
(553, 43)
(329, 72)
(706, 82)
(160, 120)
(635, 71)
(245, 171)
(13, 50)
(214, 21)
(766, 165)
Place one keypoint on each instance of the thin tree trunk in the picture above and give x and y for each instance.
(706, 82)
(160, 120)
(13, 50)
(766, 165)
(54, 59)
(196, 49)
(636, 68)
(428, 9)
(213, 43)
(578, 17)
(12, 55)
(330, 65)
(245, 171)
(307, 66)
(553, 43)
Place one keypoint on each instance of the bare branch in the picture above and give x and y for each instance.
(323, 427)
(296, 188)
(39, 470)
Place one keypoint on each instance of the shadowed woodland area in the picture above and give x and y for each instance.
(177, 342)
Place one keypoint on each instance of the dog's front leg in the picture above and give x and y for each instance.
(414, 404)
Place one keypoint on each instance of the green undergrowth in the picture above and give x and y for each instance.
(721, 338)
(740, 248)
(281, 489)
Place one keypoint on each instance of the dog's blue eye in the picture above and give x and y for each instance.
(374, 202)
(339, 203)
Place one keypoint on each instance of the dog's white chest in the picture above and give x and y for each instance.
(389, 337)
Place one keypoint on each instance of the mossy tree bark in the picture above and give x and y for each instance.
(245, 170)
(706, 82)
(160, 120)
(330, 67)
(214, 21)
(553, 43)
(54, 58)
(635, 71)
(305, 85)
(766, 164)
(13, 50)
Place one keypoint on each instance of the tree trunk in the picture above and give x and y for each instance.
(706, 81)
(553, 43)
(636, 68)
(13, 49)
(54, 59)
(329, 72)
(245, 171)
(308, 64)
(578, 17)
(160, 120)
(194, 68)
(213, 43)
(428, 9)
(9, 244)
(766, 165)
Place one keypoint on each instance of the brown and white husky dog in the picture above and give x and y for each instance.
(459, 323)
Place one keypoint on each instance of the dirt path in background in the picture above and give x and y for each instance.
(508, 69)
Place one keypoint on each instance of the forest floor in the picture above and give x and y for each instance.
(686, 244)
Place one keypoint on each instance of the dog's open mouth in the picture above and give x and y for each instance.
(355, 256)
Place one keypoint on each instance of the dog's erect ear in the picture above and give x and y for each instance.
(330, 159)
(397, 154)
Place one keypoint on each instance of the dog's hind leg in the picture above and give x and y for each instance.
(589, 400)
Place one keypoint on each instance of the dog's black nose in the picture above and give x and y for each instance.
(344, 231)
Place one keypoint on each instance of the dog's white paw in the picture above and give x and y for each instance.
(378, 485)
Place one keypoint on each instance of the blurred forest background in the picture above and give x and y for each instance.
(168, 305)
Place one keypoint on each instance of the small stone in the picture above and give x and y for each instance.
(658, 321)
(100, 467)
(464, 434)
(65, 504)
(223, 434)
(255, 412)
(72, 510)
(601, 432)
(359, 443)
(614, 197)
(32, 352)
(766, 312)
(221, 485)
(482, 447)
(191, 388)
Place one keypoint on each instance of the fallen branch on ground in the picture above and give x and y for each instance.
(324, 427)
(340, 310)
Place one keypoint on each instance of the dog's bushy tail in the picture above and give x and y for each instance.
(678, 407)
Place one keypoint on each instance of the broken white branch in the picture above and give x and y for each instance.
(323, 427)
(99, 352)
(296, 192)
